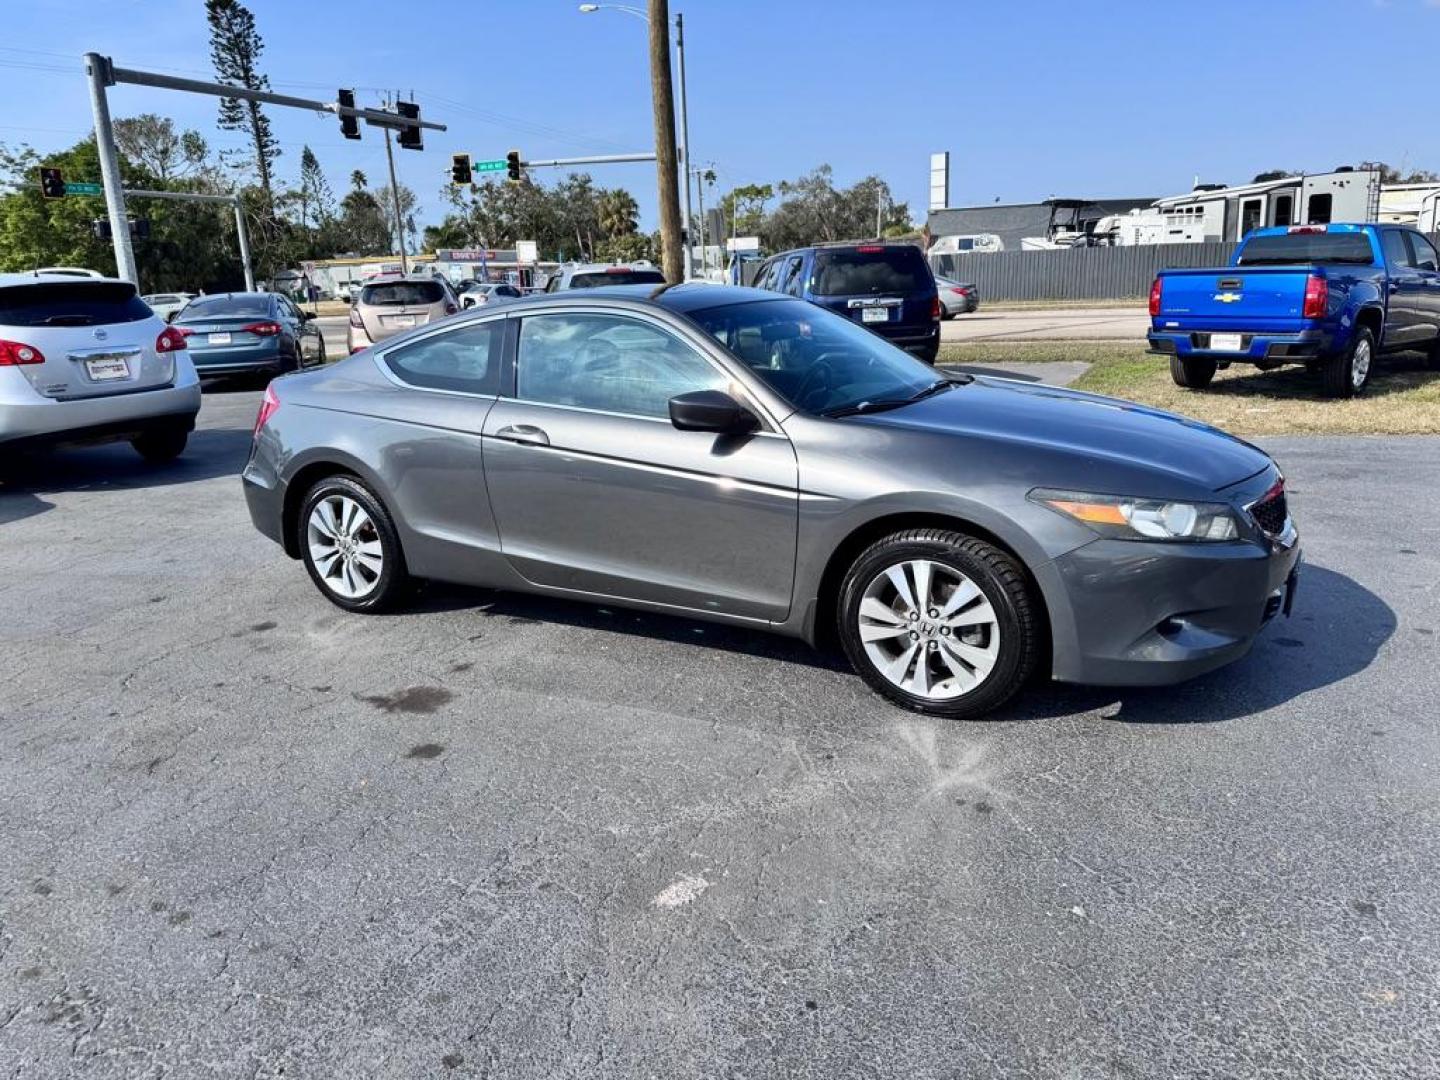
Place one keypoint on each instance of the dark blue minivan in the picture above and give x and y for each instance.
(887, 288)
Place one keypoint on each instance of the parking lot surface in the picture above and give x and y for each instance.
(250, 835)
(1049, 324)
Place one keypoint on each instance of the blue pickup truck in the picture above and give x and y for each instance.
(1331, 297)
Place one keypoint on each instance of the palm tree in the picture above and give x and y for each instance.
(358, 180)
(618, 213)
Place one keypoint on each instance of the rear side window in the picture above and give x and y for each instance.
(1287, 249)
(402, 293)
(465, 359)
(218, 307)
(617, 277)
(858, 272)
(1396, 253)
(1425, 258)
(71, 303)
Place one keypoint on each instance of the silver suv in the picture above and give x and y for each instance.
(387, 305)
(593, 275)
(84, 360)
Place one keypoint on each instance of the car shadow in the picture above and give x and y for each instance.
(211, 452)
(1391, 375)
(525, 608)
(1337, 629)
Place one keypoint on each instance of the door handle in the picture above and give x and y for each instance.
(528, 434)
(1394, 288)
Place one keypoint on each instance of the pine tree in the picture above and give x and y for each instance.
(317, 202)
(235, 48)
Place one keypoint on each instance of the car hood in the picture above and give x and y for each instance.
(1087, 425)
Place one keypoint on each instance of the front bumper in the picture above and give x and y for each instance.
(1151, 614)
(1274, 348)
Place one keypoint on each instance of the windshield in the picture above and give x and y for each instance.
(212, 307)
(859, 272)
(402, 293)
(617, 277)
(818, 361)
(1289, 249)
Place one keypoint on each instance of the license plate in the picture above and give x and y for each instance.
(403, 320)
(1225, 342)
(219, 339)
(874, 314)
(107, 368)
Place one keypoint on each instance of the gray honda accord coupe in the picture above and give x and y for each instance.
(728, 454)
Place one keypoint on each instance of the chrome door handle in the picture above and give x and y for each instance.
(523, 433)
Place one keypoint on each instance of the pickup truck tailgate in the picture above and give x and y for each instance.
(1255, 298)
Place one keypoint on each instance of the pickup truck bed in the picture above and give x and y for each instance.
(1360, 292)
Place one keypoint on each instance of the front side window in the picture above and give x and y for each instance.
(1424, 252)
(466, 359)
(609, 363)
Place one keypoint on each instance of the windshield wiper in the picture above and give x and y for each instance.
(881, 404)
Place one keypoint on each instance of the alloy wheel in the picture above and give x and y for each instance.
(928, 629)
(1360, 364)
(345, 546)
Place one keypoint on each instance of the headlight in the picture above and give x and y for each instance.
(1143, 519)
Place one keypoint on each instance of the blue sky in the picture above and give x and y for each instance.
(1032, 98)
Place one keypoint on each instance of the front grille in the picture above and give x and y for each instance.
(1271, 512)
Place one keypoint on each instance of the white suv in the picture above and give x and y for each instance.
(84, 360)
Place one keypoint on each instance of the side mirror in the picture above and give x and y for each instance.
(711, 410)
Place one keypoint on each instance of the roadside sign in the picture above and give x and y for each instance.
(488, 166)
(84, 189)
(527, 251)
(464, 255)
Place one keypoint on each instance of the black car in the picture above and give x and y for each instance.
(887, 288)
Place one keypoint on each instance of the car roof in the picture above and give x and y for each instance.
(36, 277)
(682, 298)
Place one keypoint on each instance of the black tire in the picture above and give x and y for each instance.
(1000, 580)
(1339, 376)
(1194, 372)
(161, 444)
(393, 582)
(320, 356)
(1432, 358)
(928, 353)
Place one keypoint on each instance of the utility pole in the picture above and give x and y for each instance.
(98, 68)
(879, 211)
(395, 201)
(685, 139)
(662, 94)
(704, 247)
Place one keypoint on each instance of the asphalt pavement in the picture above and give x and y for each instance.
(247, 834)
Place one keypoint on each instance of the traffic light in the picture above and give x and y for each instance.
(460, 169)
(512, 166)
(410, 136)
(52, 184)
(140, 228)
(349, 125)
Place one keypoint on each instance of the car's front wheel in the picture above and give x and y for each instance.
(1193, 372)
(350, 546)
(939, 622)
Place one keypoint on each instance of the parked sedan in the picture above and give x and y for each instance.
(734, 455)
(480, 293)
(167, 305)
(957, 298)
(249, 334)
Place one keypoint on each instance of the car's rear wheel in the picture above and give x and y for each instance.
(1347, 374)
(350, 546)
(939, 622)
(161, 444)
(1432, 358)
(1194, 372)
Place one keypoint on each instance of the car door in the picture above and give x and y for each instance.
(595, 491)
(293, 320)
(1402, 325)
(1426, 264)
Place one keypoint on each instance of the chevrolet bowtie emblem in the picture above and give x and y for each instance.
(1227, 297)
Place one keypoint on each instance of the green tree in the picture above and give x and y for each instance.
(1391, 175)
(617, 213)
(235, 48)
(152, 143)
(317, 201)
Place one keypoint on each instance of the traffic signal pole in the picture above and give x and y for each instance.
(97, 68)
(229, 200)
(104, 74)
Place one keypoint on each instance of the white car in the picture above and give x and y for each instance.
(84, 360)
(167, 305)
(70, 271)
